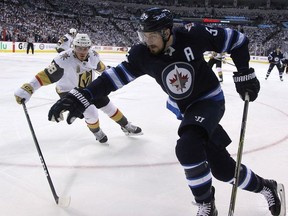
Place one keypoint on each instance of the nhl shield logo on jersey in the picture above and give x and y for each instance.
(178, 79)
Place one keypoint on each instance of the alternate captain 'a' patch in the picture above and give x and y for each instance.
(178, 79)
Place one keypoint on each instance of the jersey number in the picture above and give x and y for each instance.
(213, 32)
(51, 68)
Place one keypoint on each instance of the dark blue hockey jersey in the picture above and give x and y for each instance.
(275, 57)
(181, 71)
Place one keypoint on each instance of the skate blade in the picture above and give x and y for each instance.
(133, 134)
(281, 192)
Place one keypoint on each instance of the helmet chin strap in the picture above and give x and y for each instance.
(165, 40)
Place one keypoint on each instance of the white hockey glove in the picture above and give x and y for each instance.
(24, 93)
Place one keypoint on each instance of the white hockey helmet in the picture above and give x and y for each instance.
(73, 31)
(82, 40)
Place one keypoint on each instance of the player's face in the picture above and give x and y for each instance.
(81, 52)
(153, 40)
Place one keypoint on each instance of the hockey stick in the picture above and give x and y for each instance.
(239, 157)
(225, 62)
(61, 201)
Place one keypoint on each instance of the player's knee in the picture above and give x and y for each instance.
(190, 146)
(110, 109)
(223, 168)
(101, 102)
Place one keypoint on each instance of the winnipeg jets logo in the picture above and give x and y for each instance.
(178, 80)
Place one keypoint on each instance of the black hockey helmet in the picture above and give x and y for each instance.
(155, 19)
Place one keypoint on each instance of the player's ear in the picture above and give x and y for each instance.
(166, 33)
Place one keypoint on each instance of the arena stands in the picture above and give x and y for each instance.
(114, 23)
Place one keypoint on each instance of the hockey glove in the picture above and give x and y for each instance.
(246, 81)
(24, 93)
(76, 101)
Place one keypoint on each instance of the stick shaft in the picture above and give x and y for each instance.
(225, 61)
(239, 157)
(56, 197)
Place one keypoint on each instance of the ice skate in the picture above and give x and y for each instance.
(131, 130)
(207, 209)
(100, 136)
(275, 196)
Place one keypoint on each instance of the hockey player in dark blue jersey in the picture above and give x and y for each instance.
(275, 58)
(174, 58)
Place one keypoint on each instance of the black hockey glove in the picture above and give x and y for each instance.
(76, 101)
(246, 81)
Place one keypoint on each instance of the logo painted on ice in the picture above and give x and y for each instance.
(178, 80)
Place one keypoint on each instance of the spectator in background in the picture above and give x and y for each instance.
(30, 43)
(240, 28)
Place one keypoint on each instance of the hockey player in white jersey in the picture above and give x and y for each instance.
(217, 58)
(66, 41)
(76, 68)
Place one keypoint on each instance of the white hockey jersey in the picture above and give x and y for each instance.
(64, 43)
(68, 72)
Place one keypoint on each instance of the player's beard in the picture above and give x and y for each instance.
(155, 50)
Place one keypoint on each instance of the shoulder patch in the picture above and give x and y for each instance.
(64, 56)
(188, 26)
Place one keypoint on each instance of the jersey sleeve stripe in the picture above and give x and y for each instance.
(228, 39)
(43, 78)
(240, 40)
(126, 73)
(117, 82)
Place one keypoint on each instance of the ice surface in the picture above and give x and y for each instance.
(133, 176)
